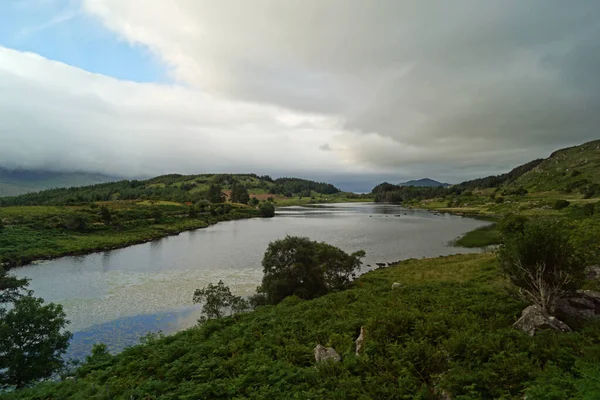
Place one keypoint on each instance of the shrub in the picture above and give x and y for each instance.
(307, 269)
(541, 263)
(267, 210)
(561, 204)
(512, 224)
(499, 200)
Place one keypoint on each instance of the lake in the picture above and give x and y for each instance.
(117, 296)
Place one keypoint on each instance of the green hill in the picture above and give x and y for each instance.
(178, 188)
(574, 169)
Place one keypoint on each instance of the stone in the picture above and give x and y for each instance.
(360, 341)
(592, 272)
(396, 285)
(533, 318)
(323, 353)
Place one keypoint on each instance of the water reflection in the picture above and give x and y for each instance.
(149, 287)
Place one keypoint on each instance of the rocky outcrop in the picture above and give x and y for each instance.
(533, 318)
(360, 340)
(323, 353)
(579, 306)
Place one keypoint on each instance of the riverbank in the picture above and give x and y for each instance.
(447, 330)
(30, 233)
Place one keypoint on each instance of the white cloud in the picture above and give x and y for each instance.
(56, 116)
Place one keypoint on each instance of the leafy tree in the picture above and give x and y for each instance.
(541, 262)
(239, 194)
(307, 269)
(215, 194)
(267, 210)
(106, 215)
(218, 300)
(32, 335)
(157, 215)
(512, 224)
(253, 202)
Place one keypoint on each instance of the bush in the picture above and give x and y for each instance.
(512, 224)
(307, 269)
(541, 263)
(267, 210)
(499, 200)
(561, 204)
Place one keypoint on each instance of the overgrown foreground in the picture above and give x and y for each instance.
(446, 332)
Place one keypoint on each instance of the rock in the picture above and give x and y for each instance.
(396, 285)
(579, 306)
(360, 340)
(533, 318)
(326, 353)
(592, 272)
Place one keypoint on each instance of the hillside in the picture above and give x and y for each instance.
(17, 182)
(425, 182)
(574, 169)
(447, 333)
(178, 188)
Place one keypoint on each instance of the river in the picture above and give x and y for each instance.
(117, 296)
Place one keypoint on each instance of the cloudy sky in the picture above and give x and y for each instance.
(346, 90)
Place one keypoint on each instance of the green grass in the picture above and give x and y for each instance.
(480, 237)
(447, 330)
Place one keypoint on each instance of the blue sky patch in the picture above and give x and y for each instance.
(59, 30)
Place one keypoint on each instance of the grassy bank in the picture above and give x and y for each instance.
(447, 330)
(480, 237)
(41, 232)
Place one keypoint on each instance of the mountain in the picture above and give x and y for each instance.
(425, 182)
(17, 182)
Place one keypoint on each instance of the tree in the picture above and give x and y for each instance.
(239, 194)
(542, 263)
(267, 210)
(215, 194)
(218, 300)
(307, 269)
(512, 224)
(106, 215)
(32, 335)
(253, 202)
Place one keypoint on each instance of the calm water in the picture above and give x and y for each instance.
(117, 296)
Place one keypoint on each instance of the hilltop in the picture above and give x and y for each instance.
(425, 182)
(21, 181)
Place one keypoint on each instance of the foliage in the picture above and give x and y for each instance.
(541, 262)
(560, 204)
(304, 268)
(217, 300)
(267, 210)
(239, 194)
(448, 329)
(32, 336)
(215, 194)
(512, 224)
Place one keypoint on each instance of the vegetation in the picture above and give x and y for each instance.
(542, 263)
(297, 266)
(32, 335)
(446, 332)
(218, 300)
(267, 210)
(480, 237)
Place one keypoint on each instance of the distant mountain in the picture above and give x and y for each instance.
(425, 182)
(17, 182)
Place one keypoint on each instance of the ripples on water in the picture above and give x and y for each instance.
(117, 296)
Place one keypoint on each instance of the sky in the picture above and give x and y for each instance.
(350, 91)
